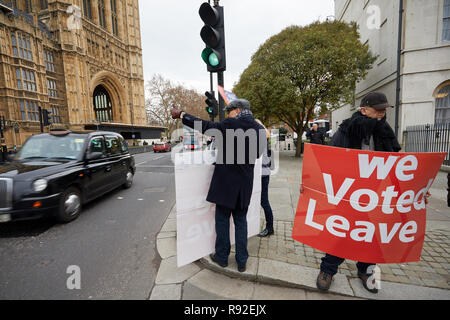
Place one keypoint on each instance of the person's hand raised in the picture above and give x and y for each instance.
(176, 113)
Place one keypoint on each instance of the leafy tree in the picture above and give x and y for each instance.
(302, 68)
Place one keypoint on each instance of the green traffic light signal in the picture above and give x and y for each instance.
(213, 35)
(211, 57)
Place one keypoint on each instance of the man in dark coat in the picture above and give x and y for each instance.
(367, 129)
(315, 135)
(232, 182)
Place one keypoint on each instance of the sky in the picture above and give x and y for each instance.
(172, 46)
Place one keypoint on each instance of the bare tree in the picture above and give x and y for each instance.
(163, 94)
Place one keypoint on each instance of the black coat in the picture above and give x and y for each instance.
(316, 137)
(353, 131)
(232, 183)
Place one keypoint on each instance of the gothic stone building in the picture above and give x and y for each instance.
(79, 59)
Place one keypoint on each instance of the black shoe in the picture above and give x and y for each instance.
(365, 279)
(242, 269)
(265, 233)
(213, 258)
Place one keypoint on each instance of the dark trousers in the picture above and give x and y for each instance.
(223, 246)
(330, 265)
(265, 202)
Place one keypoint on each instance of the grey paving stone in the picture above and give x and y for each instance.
(167, 247)
(209, 283)
(267, 292)
(277, 272)
(166, 292)
(169, 225)
(169, 273)
(398, 291)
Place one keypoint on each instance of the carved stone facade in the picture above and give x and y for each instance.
(79, 59)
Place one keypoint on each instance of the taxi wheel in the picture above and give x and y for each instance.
(69, 205)
(129, 178)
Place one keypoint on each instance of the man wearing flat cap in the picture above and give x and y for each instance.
(367, 129)
(232, 182)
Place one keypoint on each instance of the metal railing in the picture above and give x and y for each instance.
(429, 138)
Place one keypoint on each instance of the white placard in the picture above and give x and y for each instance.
(196, 234)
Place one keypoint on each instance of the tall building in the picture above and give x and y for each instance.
(424, 77)
(79, 59)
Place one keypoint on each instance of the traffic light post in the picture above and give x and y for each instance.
(45, 118)
(213, 35)
(3, 147)
(213, 105)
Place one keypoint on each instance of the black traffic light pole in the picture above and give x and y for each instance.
(220, 82)
(40, 120)
(4, 149)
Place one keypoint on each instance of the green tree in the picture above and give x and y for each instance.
(302, 68)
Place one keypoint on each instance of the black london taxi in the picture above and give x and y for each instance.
(56, 173)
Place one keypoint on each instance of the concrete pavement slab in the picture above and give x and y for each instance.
(277, 272)
(170, 226)
(166, 292)
(207, 283)
(267, 292)
(169, 273)
(167, 247)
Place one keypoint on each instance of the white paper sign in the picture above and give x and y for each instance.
(196, 234)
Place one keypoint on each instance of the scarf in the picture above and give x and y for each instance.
(245, 113)
(360, 128)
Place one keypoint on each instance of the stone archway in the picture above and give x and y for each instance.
(107, 97)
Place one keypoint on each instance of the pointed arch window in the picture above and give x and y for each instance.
(102, 105)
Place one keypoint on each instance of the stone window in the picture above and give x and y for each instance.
(21, 46)
(49, 61)
(101, 13)
(442, 114)
(44, 4)
(56, 117)
(446, 22)
(102, 105)
(52, 90)
(87, 9)
(28, 6)
(25, 79)
(29, 110)
(115, 27)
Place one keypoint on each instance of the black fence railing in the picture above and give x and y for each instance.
(429, 138)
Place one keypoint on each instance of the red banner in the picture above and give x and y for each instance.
(365, 206)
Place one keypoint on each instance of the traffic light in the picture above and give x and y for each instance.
(213, 34)
(47, 119)
(213, 104)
